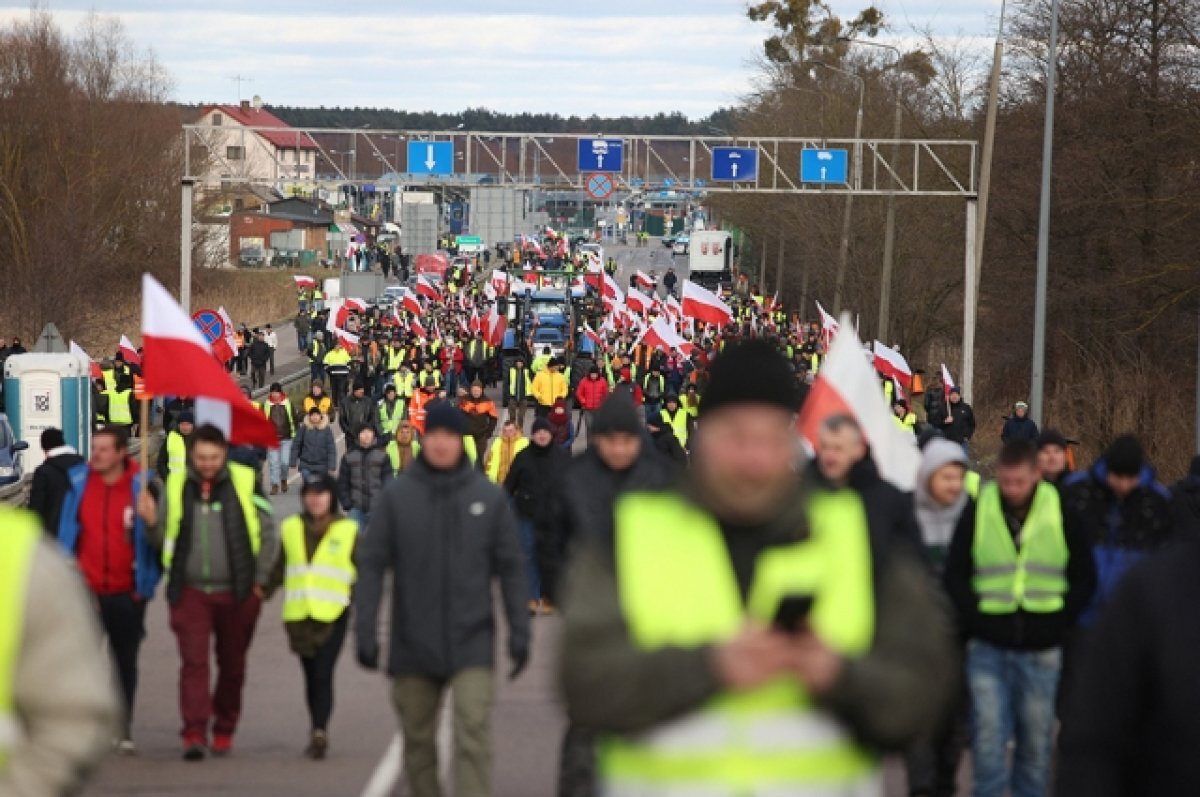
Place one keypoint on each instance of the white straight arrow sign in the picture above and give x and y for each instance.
(430, 161)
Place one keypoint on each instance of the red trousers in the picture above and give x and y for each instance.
(195, 619)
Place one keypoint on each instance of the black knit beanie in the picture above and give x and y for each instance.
(444, 415)
(617, 415)
(1125, 457)
(750, 372)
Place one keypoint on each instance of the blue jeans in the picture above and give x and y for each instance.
(528, 537)
(277, 461)
(1012, 698)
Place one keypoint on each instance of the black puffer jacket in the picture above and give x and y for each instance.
(444, 535)
(362, 477)
(890, 514)
(536, 481)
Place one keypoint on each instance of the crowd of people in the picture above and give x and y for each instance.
(739, 616)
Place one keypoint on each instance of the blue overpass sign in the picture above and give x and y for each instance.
(431, 157)
(734, 163)
(825, 166)
(601, 154)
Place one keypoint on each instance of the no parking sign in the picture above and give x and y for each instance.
(210, 324)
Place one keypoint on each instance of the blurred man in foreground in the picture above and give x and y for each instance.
(739, 635)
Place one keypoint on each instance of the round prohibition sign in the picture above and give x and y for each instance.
(210, 325)
(599, 186)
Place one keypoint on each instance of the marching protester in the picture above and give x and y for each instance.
(518, 389)
(357, 410)
(51, 479)
(590, 395)
(481, 415)
(1052, 457)
(314, 451)
(364, 473)
(402, 451)
(442, 645)
(278, 409)
(535, 483)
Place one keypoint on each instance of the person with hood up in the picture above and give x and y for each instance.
(317, 572)
(364, 473)
(535, 482)
(939, 500)
(1019, 426)
(403, 450)
(317, 397)
(561, 426)
(357, 410)
(442, 529)
(314, 450)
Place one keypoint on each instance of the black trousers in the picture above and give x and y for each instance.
(124, 622)
(318, 675)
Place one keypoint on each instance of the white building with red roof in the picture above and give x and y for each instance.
(246, 143)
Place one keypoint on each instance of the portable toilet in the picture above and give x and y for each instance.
(44, 391)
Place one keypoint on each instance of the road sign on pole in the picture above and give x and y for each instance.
(210, 324)
(601, 154)
(599, 186)
(825, 166)
(431, 157)
(734, 163)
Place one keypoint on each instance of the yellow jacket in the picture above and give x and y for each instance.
(549, 386)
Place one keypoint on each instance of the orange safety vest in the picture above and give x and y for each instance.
(416, 410)
(139, 389)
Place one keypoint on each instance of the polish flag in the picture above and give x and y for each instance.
(612, 290)
(346, 340)
(643, 280)
(704, 305)
(129, 351)
(829, 326)
(638, 301)
(947, 383)
(660, 335)
(415, 327)
(500, 281)
(494, 327)
(673, 308)
(847, 385)
(178, 362)
(475, 325)
(428, 289)
(892, 364)
(593, 335)
(338, 312)
(225, 349)
(357, 305)
(594, 266)
(94, 371)
(303, 281)
(409, 301)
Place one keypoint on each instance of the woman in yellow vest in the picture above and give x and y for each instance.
(317, 570)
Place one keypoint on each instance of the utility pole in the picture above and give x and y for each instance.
(1038, 380)
(778, 269)
(185, 244)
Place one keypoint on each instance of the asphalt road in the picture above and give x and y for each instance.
(527, 728)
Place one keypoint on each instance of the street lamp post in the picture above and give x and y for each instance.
(1038, 376)
(844, 246)
(889, 230)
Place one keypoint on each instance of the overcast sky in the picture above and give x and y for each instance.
(567, 56)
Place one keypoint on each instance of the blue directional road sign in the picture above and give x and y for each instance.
(825, 166)
(734, 163)
(431, 157)
(601, 154)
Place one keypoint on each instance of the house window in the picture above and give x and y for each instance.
(217, 119)
(235, 153)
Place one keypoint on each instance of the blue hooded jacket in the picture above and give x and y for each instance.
(147, 563)
(1122, 532)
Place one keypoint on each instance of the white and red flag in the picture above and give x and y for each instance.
(704, 305)
(225, 347)
(94, 371)
(346, 340)
(303, 281)
(494, 327)
(357, 305)
(178, 362)
(829, 327)
(418, 329)
(638, 302)
(409, 301)
(661, 335)
(643, 280)
(947, 383)
(129, 351)
(847, 385)
(892, 364)
(428, 289)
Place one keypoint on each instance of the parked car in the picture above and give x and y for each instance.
(10, 453)
(680, 247)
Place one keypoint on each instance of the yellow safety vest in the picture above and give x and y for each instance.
(908, 423)
(678, 589)
(389, 423)
(176, 453)
(287, 404)
(678, 424)
(492, 467)
(318, 589)
(430, 379)
(404, 384)
(243, 479)
(337, 356)
(395, 359)
(512, 383)
(1033, 579)
(119, 411)
(972, 481)
(393, 452)
(539, 362)
(18, 542)
(110, 379)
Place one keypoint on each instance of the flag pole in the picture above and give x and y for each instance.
(144, 435)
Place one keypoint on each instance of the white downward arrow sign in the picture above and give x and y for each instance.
(430, 161)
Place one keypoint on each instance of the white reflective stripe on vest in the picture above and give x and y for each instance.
(870, 785)
(316, 594)
(712, 732)
(11, 733)
(325, 571)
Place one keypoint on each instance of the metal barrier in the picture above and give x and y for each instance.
(18, 494)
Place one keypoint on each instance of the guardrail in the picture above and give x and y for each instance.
(18, 494)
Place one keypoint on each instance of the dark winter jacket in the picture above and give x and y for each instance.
(890, 513)
(363, 475)
(259, 352)
(1019, 429)
(1019, 630)
(1131, 725)
(445, 536)
(356, 412)
(666, 444)
(314, 450)
(1120, 532)
(1185, 500)
(591, 490)
(962, 425)
(51, 480)
(535, 480)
